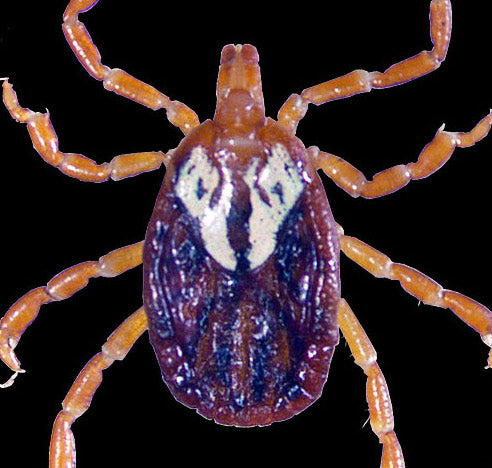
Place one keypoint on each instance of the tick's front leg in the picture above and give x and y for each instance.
(362, 81)
(117, 80)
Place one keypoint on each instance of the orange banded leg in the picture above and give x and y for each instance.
(45, 142)
(78, 399)
(61, 287)
(378, 398)
(361, 81)
(432, 158)
(422, 287)
(117, 80)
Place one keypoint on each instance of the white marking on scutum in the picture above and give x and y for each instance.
(280, 183)
(198, 176)
(283, 185)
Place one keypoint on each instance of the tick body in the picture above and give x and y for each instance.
(241, 257)
(241, 278)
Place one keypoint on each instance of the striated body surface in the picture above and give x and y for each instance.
(241, 280)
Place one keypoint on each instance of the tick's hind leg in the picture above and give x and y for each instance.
(62, 286)
(423, 288)
(117, 80)
(78, 399)
(361, 81)
(378, 398)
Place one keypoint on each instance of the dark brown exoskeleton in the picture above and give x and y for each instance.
(241, 263)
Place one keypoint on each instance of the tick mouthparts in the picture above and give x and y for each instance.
(239, 70)
(244, 52)
(239, 75)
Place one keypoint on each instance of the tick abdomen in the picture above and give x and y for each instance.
(242, 309)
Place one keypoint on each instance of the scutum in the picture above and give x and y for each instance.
(240, 215)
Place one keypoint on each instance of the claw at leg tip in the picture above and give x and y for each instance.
(7, 355)
(10, 382)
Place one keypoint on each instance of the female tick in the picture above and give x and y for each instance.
(241, 287)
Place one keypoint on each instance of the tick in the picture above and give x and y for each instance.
(241, 257)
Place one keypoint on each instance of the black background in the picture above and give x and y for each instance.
(432, 362)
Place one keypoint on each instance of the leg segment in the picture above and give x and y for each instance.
(432, 158)
(45, 142)
(361, 81)
(378, 398)
(62, 286)
(78, 399)
(423, 288)
(117, 80)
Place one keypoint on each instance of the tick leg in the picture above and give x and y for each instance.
(432, 158)
(62, 286)
(78, 399)
(117, 80)
(378, 398)
(422, 287)
(45, 142)
(361, 81)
